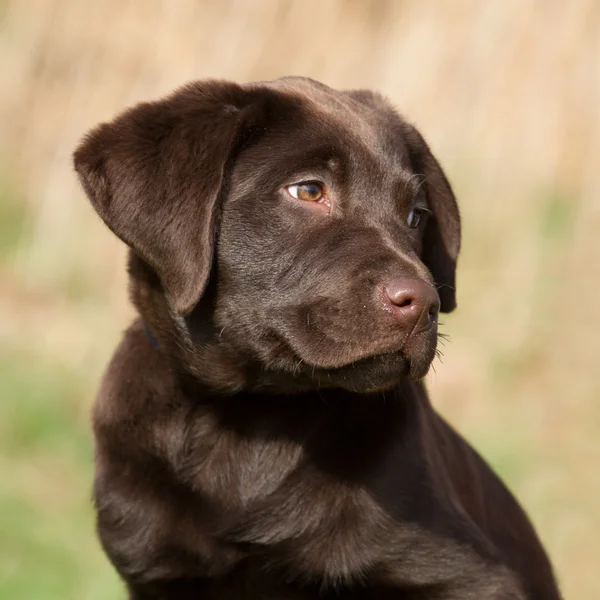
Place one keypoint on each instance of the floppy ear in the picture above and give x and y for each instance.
(155, 175)
(441, 238)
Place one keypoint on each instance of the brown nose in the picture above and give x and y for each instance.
(413, 302)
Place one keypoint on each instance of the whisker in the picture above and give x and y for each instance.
(441, 285)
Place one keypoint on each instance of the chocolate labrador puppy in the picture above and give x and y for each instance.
(263, 431)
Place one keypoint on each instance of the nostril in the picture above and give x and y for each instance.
(403, 303)
(399, 298)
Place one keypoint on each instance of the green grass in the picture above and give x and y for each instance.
(15, 219)
(48, 548)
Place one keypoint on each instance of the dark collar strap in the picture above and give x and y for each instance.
(151, 337)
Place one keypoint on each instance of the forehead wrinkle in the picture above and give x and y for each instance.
(325, 104)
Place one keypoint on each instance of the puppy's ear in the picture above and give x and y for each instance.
(441, 238)
(155, 175)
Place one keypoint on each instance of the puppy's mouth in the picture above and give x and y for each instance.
(327, 337)
(371, 374)
(354, 360)
(331, 353)
(374, 373)
(361, 370)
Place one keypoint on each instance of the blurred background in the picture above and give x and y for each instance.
(508, 94)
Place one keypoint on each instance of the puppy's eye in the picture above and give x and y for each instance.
(311, 191)
(415, 216)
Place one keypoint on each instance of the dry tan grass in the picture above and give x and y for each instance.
(508, 93)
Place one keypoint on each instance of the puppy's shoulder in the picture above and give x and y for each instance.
(139, 391)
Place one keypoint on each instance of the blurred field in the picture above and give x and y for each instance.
(508, 94)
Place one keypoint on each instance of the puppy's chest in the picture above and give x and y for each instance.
(271, 496)
(234, 472)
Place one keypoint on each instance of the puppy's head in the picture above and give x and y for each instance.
(303, 236)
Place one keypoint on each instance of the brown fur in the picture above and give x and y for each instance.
(262, 431)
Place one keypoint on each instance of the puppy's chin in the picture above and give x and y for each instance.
(375, 373)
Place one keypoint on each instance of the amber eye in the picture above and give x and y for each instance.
(310, 191)
(414, 217)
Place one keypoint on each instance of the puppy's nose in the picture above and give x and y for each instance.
(412, 301)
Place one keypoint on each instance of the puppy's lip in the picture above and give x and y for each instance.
(340, 362)
(389, 368)
(343, 353)
(358, 359)
(382, 349)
